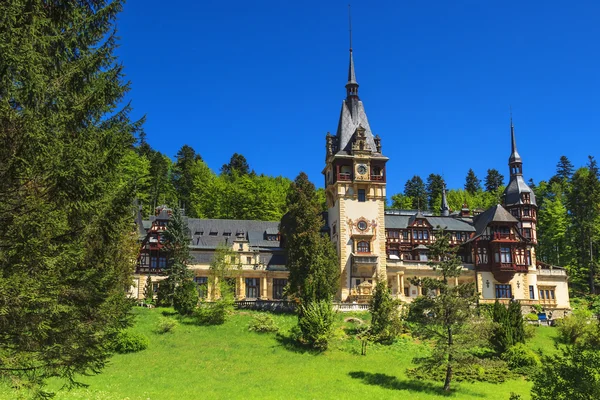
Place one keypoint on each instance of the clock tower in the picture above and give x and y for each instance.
(355, 189)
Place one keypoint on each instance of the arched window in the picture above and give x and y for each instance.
(363, 247)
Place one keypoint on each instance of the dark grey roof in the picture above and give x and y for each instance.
(514, 154)
(496, 213)
(447, 223)
(352, 116)
(516, 187)
(274, 260)
(444, 209)
(351, 72)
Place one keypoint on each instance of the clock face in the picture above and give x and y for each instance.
(361, 169)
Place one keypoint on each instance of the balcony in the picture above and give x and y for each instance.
(364, 258)
(379, 178)
(503, 237)
(344, 176)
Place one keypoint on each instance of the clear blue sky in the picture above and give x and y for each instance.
(266, 79)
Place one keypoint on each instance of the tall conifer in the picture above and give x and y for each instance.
(66, 243)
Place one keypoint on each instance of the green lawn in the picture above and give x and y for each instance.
(229, 362)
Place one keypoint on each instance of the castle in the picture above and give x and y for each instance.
(497, 246)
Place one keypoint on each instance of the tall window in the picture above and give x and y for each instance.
(527, 233)
(482, 255)
(278, 286)
(252, 288)
(153, 262)
(531, 292)
(202, 282)
(362, 197)
(425, 235)
(503, 292)
(404, 235)
(526, 212)
(505, 257)
(162, 262)
(363, 247)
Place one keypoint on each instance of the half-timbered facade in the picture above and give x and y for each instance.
(496, 246)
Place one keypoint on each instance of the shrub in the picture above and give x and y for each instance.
(578, 329)
(263, 323)
(508, 326)
(130, 342)
(385, 321)
(185, 297)
(531, 317)
(166, 325)
(521, 359)
(316, 322)
(530, 331)
(514, 396)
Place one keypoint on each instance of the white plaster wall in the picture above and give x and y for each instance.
(488, 293)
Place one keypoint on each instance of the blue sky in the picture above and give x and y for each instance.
(266, 79)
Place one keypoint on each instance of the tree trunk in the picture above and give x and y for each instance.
(449, 366)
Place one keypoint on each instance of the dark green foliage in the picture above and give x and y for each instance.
(508, 326)
(185, 297)
(237, 166)
(521, 359)
(316, 323)
(178, 289)
(385, 314)
(311, 256)
(183, 177)
(443, 317)
(564, 168)
(435, 185)
(148, 291)
(262, 323)
(574, 374)
(514, 396)
(471, 370)
(130, 342)
(65, 191)
(493, 180)
(472, 183)
(414, 189)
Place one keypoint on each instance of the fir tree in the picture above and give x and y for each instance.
(311, 257)
(435, 185)
(443, 316)
(564, 168)
(493, 180)
(183, 178)
(149, 291)
(385, 319)
(66, 215)
(472, 183)
(414, 188)
(237, 166)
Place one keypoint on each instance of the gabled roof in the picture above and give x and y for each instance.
(496, 214)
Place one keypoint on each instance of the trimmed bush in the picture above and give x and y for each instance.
(316, 323)
(521, 359)
(130, 342)
(165, 325)
(531, 317)
(263, 323)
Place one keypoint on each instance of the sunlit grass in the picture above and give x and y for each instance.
(229, 362)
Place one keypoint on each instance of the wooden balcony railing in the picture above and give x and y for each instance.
(504, 236)
(377, 177)
(344, 176)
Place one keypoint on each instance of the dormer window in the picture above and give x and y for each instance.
(526, 198)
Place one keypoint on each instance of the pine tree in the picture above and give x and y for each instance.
(584, 209)
(443, 317)
(178, 288)
(564, 168)
(434, 188)
(493, 180)
(183, 178)
(385, 319)
(414, 188)
(311, 257)
(508, 326)
(472, 183)
(149, 291)
(66, 215)
(237, 166)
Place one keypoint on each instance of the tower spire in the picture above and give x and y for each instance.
(352, 85)
(514, 161)
(444, 209)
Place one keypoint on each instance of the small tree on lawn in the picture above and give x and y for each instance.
(385, 317)
(223, 270)
(178, 289)
(312, 261)
(508, 326)
(148, 291)
(443, 316)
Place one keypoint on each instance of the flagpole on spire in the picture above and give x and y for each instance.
(350, 25)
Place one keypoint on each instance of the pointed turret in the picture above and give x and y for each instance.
(352, 85)
(444, 209)
(516, 188)
(514, 155)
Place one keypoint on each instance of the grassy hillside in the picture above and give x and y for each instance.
(229, 362)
